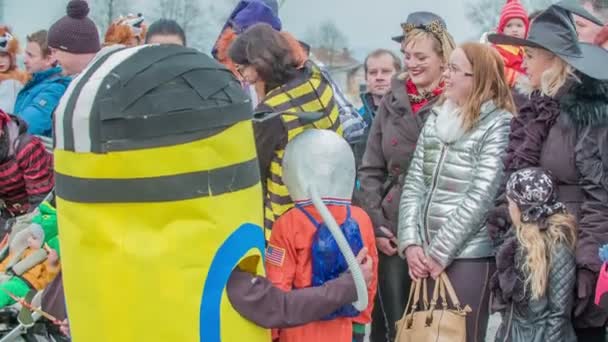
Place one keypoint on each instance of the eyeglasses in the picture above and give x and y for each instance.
(454, 70)
(240, 68)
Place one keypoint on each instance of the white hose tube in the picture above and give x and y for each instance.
(351, 260)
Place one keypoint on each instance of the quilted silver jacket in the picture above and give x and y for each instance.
(451, 184)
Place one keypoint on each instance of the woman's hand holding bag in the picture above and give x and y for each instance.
(433, 324)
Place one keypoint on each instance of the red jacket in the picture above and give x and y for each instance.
(26, 170)
(513, 57)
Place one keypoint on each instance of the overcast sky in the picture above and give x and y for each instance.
(368, 24)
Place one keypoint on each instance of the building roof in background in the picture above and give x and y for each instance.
(335, 59)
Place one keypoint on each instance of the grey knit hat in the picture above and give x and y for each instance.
(75, 32)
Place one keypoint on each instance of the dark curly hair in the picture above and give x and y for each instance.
(268, 52)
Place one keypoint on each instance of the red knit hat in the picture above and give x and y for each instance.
(513, 9)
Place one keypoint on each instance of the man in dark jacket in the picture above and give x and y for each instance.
(380, 67)
(40, 96)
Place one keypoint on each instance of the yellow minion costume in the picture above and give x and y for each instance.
(159, 195)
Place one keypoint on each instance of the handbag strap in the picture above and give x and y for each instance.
(425, 294)
(436, 294)
(414, 293)
(450, 289)
(444, 300)
(436, 291)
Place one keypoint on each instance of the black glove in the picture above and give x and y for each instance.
(585, 284)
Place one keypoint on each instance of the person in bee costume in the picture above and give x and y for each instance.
(154, 153)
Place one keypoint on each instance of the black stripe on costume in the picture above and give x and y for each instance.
(303, 119)
(165, 96)
(297, 102)
(68, 114)
(159, 189)
(173, 128)
(280, 200)
(268, 227)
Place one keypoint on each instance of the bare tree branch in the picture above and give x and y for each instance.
(103, 12)
(329, 37)
(190, 16)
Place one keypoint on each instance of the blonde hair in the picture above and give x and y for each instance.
(538, 247)
(489, 83)
(443, 44)
(552, 79)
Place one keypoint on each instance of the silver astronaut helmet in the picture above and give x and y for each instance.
(317, 165)
(321, 159)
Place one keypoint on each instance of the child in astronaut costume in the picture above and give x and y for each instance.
(301, 251)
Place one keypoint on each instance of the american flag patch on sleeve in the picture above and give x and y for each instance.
(275, 255)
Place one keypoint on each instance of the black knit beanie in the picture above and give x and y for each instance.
(75, 32)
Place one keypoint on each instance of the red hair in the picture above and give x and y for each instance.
(229, 36)
(226, 39)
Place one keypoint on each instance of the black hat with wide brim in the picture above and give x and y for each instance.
(554, 30)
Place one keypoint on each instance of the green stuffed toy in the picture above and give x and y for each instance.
(47, 220)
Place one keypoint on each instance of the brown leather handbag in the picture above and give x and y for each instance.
(433, 323)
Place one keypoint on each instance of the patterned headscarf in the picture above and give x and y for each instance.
(535, 193)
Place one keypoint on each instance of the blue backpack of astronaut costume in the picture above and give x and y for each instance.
(327, 261)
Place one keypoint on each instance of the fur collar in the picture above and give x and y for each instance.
(586, 103)
(448, 123)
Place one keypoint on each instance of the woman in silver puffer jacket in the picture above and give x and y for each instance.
(453, 180)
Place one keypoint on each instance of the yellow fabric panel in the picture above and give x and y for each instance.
(236, 142)
(319, 104)
(299, 91)
(139, 269)
(281, 209)
(295, 131)
(138, 273)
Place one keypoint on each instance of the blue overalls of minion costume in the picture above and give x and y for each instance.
(158, 197)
